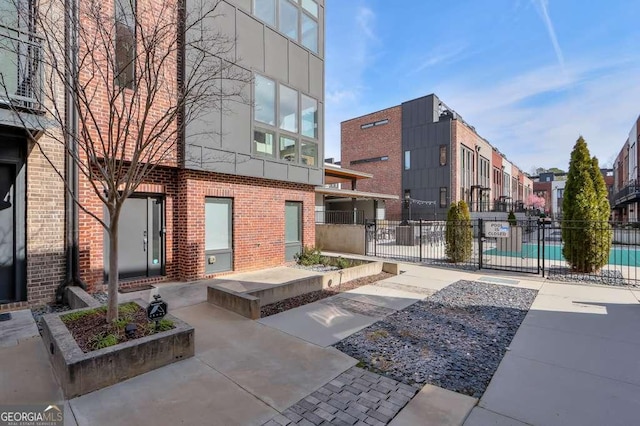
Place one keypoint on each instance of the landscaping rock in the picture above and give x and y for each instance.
(455, 339)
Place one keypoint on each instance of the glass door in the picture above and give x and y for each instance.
(218, 246)
(292, 229)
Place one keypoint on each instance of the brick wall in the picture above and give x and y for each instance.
(258, 217)
(45, 223)
(377, 141)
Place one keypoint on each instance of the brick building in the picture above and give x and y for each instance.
(237, 194)
(625, 199)
(425, 152)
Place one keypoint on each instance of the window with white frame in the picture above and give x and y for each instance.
(296, 19)
(285, 123)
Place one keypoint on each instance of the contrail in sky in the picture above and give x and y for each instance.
(544, 7)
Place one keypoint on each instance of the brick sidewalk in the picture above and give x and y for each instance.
(356, 397)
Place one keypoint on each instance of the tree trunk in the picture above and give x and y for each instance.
(112, 289)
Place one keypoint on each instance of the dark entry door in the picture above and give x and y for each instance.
(7, 217)
(140, 238)
(292, 229)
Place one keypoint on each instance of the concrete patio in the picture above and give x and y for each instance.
(572, 362)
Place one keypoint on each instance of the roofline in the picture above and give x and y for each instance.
(371, 113)
(348, 193)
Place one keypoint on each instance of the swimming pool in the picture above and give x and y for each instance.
(618, 255)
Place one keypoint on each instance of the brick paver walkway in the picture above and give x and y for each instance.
(356, 397)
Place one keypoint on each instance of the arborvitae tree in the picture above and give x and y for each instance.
(585, 231)
(459, 235)
(602, 211)
(512, 218)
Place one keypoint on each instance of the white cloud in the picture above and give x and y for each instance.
(444, 54)
(535, 118)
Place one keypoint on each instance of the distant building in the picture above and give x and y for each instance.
(423, 151)
(551, 186)
(625, 179)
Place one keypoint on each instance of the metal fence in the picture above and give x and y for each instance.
(620, 258)
(355, 217)
(530, 246)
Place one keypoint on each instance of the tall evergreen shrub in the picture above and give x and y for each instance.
(459, 234)
(585, 229)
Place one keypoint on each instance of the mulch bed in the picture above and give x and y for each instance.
(85, 329)
(294, 302)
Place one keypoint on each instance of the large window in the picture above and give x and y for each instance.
(443, 196)
(297, 21)
(288, 116)
(309, 117)
(125, 43)
(263, 143)
(466, 168)
(265, 10)
(288, 148)
(294, 136)
(288, 19)
(265, 105)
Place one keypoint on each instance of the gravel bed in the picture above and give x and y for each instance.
(47, 309)
(316, 268)
(610, 277)
(294, 302)
(101, 297)
(455, 339)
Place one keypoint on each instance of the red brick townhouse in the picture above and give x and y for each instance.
(423, 150)
(238, 192)
(625, 191)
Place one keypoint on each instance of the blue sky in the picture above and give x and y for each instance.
(530, 75)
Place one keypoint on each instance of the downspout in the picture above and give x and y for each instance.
(72, 275)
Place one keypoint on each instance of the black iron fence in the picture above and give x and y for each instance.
(600, 252)
(355, 217)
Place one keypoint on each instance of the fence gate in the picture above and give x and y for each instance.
(495, 244)
(512, 247)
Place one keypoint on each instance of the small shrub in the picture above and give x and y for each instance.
(163, 325)
(129, 308)
(121, 323)
(309, 256)
(73, 316)
(512, 218)
(342, 263)
(458, 234)
(103, 341)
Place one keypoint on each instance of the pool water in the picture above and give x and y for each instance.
(618, 255)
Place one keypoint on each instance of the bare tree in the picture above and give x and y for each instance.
(135, 76)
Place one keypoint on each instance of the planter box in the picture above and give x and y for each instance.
(80, 373)
(248, 303)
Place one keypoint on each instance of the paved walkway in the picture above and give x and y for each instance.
(572, 362)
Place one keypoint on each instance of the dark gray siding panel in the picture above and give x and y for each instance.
(248, 166)
(316, 176)
(423, 135)
(273, 170)
(298, 174)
